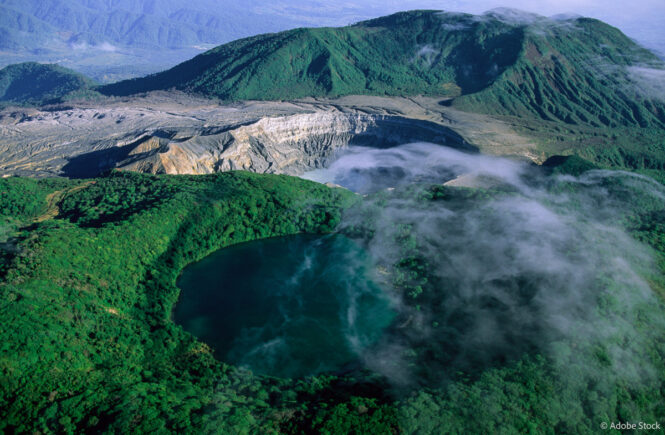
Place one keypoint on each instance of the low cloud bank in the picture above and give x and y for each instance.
(536, 265)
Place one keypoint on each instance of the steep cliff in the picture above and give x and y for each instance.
(199, 137)
(288, 144)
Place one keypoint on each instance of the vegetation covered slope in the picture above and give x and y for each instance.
(32, 82)
(503, 377)
(88, 345)
(576, 71)
(580, 72)
(87, 339)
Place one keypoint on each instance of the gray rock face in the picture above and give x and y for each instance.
(286, 144)
(168, 133)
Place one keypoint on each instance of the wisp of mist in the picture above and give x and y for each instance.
(525, 263)
(290, 306)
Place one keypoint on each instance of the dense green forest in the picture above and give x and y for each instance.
(88, 285)
(35, 83)
(86, 298)
(578, 71)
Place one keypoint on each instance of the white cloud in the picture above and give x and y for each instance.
(643, 20)
(649, 81)
(104, 46)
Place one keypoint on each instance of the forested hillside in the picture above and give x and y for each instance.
(88, 286)
(519, 298)
(35, 83)
(574, 71)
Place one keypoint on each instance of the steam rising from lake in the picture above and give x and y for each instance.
(536, 265)
(290, 307)
(521, 264)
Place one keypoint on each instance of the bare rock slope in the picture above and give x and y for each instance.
(177, 134)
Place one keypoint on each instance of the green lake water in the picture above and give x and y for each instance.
(289, 306)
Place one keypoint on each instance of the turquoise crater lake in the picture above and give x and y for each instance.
(288, 307)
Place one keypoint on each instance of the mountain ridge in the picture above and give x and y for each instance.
(571, 85)
(36, 83)
(572, 70)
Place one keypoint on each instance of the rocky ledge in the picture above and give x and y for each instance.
(172, 134)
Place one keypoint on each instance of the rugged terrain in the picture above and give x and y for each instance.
(527, 298)
(128, 38)
(503, 82)
(114, 40)
(577, 71)
(177, 134)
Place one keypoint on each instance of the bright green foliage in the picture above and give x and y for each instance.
(577, 74)
(115, 199)
(22, 198)
(32, 83)
(362, 59)
(87, 338)
(88, 268)
(358, 415)
(88, 343)
(574, 71)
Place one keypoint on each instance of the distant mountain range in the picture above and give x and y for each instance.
(136, 23)
(114, 40)
(110, 40)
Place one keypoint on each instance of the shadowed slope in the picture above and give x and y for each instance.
(32, 82)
